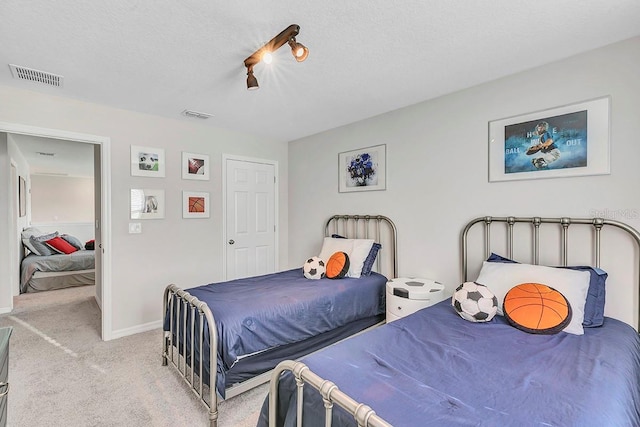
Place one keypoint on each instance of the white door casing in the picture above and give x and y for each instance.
(14, 248)
(105, 205)
(249, 217)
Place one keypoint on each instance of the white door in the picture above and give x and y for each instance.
(250, 218)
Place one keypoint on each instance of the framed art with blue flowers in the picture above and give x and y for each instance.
(363, 169)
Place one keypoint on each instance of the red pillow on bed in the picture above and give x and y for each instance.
(60, 245)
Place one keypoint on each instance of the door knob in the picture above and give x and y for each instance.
(231, 241)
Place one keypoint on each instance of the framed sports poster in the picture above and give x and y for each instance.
(195, 166)
(195, 204)
(147, 203)
(147, 161)
(571, 140)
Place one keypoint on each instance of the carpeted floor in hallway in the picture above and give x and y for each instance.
(62, 373)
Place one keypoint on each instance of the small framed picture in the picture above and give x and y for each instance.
(195, 204)
(22, 193)
(147, 161)
(363, 169)
(147, 204)
(195, 166)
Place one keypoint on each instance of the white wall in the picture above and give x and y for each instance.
(61, 199)
(437, 157)
(187, 252)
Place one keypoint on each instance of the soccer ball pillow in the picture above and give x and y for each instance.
(314, 268)
(474, 302)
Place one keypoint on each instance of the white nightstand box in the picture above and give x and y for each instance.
(407, 295)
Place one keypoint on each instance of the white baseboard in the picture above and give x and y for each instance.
(4, 310)
(136, 329)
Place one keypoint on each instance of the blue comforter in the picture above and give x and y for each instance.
(435, 369)
(259, 313)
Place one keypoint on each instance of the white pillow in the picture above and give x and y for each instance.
(501, 277)
(356, 249)
(26, 234)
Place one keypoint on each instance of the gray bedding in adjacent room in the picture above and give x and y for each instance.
(43, 273)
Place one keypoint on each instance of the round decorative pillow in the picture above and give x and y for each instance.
(337, 266)
(474, 302)
(536, 308)
(313, 268)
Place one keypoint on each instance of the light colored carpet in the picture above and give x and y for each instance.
(62, 373)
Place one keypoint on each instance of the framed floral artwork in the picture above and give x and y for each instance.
(363, 169)
(195, 166)
(195, 204)
(147, 203)
(566, 141)
(147, 161)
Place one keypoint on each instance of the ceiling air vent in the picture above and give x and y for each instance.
(196, 114)
(32, 75)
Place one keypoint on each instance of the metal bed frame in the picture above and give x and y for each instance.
(364, 415)
(377, 227)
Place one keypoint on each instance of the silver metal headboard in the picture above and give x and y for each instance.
(597, 223)
(376, 227)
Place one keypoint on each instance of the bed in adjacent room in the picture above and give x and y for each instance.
(434, 367)
(54, 261)
(260, 321)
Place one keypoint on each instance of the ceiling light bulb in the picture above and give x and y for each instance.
(299, 51)
(267, 57)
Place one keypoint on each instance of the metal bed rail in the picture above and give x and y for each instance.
(331, 394)
(536, 222)
(377, 227)
(181, 307)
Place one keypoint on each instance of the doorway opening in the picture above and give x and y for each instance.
(101, 224)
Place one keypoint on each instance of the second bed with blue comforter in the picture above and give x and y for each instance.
(260, 315)
(434, 368)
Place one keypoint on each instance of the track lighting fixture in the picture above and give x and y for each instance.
(252, 82)
(264, 54)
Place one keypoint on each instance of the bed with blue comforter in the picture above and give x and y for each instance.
(265, 319)
(434, 368)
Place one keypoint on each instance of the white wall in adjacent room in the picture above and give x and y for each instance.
(61, 199)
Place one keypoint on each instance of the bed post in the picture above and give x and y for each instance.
(192, 304)
(165, 334)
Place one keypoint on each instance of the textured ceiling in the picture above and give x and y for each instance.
(367, 57)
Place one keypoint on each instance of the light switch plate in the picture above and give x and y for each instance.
(135, 228)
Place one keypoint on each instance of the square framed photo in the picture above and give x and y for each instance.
(363, 169)
(195, 166)
(195, 204)
(147, 203)
(572, 140)
(147, 161)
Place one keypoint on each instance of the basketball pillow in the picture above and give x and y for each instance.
(536, 308)
(337, 266)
